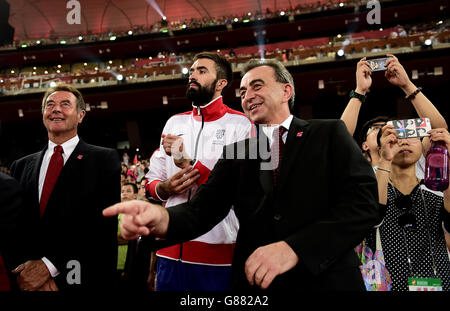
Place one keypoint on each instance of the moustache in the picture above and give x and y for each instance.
(194, 82)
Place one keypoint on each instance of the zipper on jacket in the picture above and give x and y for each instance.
(193, 161)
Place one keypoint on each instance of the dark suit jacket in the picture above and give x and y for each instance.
(73, 227)
(10, 209)
(324, 205)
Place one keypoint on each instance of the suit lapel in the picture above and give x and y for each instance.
(298, 132)
(35, 171)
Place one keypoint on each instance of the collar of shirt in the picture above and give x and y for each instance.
(212, 111)
(68, 148)
(268, 130)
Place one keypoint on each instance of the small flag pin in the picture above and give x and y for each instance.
(80, 156)
(299, 134)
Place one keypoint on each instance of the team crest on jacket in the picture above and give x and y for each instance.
(220, 134)
(220, 137)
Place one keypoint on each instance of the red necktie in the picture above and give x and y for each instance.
(277, 152)
(54, 169)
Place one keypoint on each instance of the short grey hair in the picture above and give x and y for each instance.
(282, 75)
(81, 105)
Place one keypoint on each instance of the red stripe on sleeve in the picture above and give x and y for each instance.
(204, 172)
(151, 187)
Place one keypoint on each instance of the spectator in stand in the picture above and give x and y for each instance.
(66, 186)
(129, 192)
(142, 195)
(411, 231)
(397, 76)
(294, 234)
(197, 138)
(123, 179)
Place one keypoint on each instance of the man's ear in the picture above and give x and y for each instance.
(81, 116)
(364, 146)
(221, 84)
(288, 91)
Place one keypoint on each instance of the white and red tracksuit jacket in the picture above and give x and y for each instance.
(205, 131)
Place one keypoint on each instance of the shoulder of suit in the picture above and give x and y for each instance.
(6, 178)
(324, 122)
(95, 147)
(30, 157)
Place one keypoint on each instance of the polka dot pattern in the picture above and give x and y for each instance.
(417, 241)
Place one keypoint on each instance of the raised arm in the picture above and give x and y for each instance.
(389, 149)
(397, 75)
(363, 83)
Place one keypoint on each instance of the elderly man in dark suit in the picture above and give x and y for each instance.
(66, 186)
(301, 214)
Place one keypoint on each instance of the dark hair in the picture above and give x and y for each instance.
(65, 88)
(134, 186)
(222, 66)
(282, 75)
(363, 132)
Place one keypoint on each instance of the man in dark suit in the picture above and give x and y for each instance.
(10, 209)
(300, 220)
(67, 244)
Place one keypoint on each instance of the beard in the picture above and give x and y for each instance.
(202, 95)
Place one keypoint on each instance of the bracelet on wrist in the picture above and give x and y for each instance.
(413, 94)
(383, 169)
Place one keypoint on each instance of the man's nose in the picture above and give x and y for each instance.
(403, 141)
(248, 96)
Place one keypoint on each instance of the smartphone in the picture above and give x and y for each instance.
(378, 64)
(409, 128)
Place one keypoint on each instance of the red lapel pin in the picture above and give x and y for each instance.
(299, 134)
(80, 156)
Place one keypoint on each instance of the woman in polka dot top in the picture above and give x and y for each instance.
(414, 217)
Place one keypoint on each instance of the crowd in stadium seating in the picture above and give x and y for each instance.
(163, 25)
(169, 65)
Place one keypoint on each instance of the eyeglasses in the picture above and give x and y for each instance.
(375, 127)
(406, 220)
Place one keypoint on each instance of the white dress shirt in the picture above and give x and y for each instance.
(269, 130)
(68, 148)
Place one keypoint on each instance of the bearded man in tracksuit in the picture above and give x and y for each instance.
(196, 139)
